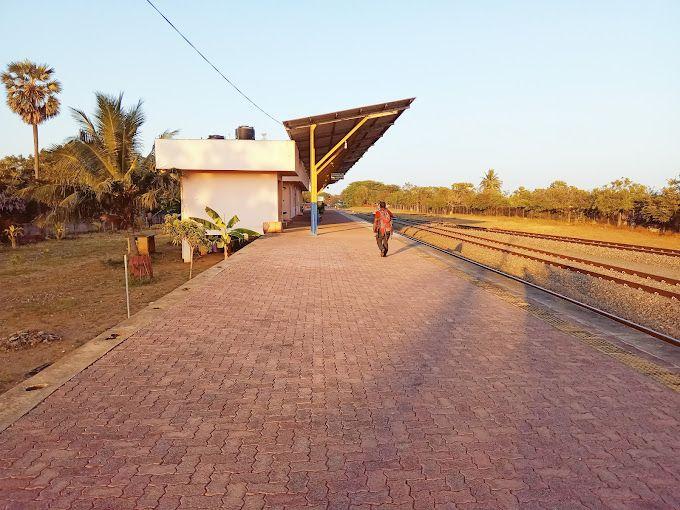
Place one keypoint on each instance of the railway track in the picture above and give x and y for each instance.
(631, 324)
(494, 245)
(669, 252)
(626, 270)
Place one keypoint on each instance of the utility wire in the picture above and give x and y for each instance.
(211, 64)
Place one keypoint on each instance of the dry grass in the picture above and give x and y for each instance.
(75, 288)
(553, 227)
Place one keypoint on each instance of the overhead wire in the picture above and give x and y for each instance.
(243, 94)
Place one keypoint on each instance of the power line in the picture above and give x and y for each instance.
(211, 64)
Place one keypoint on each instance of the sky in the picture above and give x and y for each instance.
(580, 91)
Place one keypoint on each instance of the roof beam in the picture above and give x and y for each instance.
(310, 121)
(323, 165)
(363, 121)
(333, 126)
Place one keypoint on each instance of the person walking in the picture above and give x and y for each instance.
(382, 227)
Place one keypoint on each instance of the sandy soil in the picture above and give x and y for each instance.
(75, 288)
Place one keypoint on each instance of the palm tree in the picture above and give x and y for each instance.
(31, 94)
(158, 186)
(99, 164)
(491, 181)
(101, 169)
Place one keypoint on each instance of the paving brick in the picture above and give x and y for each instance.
(313, 373)
(102, 492)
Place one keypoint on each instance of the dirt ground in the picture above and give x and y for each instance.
(586, 230)
(76, 289)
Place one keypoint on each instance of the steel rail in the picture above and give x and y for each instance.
(611, 267)
(621, 320)
(646, 288)
(578, 240)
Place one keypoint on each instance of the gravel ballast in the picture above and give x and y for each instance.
(651, 310)
(590, 267)
(645, 261)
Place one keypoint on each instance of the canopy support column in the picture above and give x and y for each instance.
(313, 174)
(316, 167)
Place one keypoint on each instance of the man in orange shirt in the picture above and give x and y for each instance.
(382, 227)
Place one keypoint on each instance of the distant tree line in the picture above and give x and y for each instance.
(621, 202)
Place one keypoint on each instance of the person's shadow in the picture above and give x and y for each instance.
(402, 249)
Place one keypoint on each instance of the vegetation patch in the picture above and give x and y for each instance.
(113, 263)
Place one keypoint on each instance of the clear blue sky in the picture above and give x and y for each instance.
(580, 91)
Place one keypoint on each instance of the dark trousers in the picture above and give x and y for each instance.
(382, 240)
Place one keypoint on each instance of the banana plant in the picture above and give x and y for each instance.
(225, 229)
(14, 232)
(59, 230)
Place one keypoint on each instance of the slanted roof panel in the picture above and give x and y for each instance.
(332, 127)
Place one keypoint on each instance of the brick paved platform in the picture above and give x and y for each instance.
(313, 373)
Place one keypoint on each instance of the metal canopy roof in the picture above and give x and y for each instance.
(333, 127)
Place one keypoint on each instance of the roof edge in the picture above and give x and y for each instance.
(351, 113)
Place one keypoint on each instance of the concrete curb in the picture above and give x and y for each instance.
(23, 397)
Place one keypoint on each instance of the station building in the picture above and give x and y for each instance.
(261, 181)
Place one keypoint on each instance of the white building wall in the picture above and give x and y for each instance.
(297, 187)
(240, 155)
(287, 197)
(252, 196)
(298, 200)
(292, 200)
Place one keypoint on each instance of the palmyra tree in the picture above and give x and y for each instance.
(31, 94)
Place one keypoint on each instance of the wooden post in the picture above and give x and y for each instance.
(127, 288)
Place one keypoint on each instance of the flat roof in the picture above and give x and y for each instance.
(231, 155)
(332, 127)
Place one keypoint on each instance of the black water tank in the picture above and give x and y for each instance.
(245, 133)
(215, 137)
